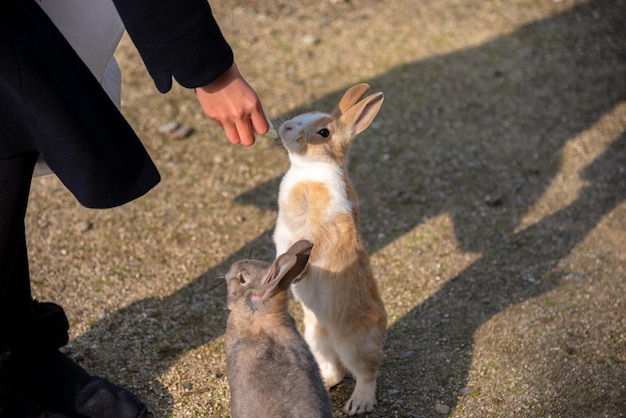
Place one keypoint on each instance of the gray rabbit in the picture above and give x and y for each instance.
(271, 371)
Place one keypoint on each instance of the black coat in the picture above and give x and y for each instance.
(51, 103)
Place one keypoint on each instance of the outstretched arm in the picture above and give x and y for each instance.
(180, 39)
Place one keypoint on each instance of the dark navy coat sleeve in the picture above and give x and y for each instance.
(176, 38)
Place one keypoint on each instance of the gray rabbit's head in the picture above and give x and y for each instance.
(255, 286)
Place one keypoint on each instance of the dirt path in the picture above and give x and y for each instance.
(492, 188)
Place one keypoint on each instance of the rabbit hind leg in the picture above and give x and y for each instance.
(362, 358)
(321, 345)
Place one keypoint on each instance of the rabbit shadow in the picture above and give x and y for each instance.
(482, 149)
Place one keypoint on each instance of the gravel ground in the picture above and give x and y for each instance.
(492, 188)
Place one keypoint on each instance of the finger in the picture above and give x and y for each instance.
(246, 132)
(259, 121)
(232, 133)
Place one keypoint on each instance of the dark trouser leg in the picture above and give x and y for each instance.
(43, 379)
(15, 296)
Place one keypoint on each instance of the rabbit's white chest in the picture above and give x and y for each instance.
(309, 197)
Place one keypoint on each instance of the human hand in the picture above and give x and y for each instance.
(234, 105)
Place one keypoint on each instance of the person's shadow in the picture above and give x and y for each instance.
(475, 134)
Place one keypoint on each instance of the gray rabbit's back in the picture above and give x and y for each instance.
(274, 375)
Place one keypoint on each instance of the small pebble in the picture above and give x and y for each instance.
(493, 201)
(310, 40)
(442, 409)
(407, 354)
(182, 132)
(168, 127)
(530, 279)
(466, 391)
(83, 226)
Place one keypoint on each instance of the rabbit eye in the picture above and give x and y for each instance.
(242, 279)
(324, 133)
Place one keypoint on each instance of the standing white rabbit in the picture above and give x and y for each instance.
(271, 371)
(344, 316)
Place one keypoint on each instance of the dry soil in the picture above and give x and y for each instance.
(492, 188)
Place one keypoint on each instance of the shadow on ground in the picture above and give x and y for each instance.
(480, 146)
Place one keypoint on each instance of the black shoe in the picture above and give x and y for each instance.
(59, 384)
(102, 399)
(45, 376)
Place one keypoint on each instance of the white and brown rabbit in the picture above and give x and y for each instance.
(271, 371)
(344, 316)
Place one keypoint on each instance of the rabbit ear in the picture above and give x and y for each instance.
(362, 114)
(350, 98)
(288, 266)
(279, 268)
(301, 248)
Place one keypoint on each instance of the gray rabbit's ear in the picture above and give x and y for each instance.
(301, 248)
(280, 268)
(288, 266)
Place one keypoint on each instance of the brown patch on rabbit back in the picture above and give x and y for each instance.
(307, 205)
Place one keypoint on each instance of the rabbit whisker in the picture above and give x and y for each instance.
(218, 286)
